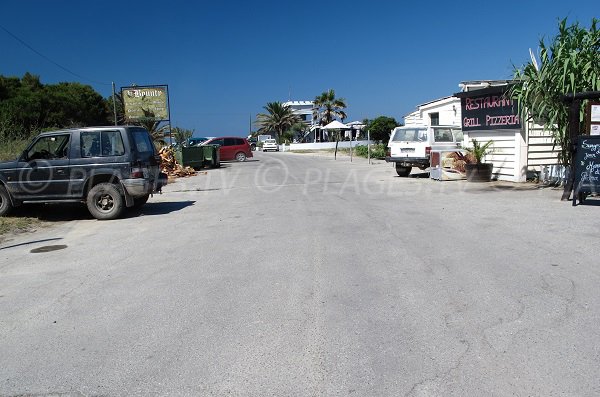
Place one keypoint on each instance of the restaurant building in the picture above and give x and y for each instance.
(521, 148)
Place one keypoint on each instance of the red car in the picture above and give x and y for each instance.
(232, 147)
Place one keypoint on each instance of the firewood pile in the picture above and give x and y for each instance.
(170, 166)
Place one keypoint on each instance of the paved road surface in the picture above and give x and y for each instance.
(298, 275)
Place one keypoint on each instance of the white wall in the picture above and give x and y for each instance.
(447, 108)
(542, 155)
(509, 154)
(325, 145)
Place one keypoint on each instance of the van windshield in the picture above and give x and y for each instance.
(410, 135)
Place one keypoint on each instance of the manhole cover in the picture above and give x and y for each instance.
(48, 248)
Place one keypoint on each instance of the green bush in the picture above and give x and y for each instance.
(377, 151)
(13, 139)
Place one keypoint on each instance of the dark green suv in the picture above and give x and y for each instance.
(108, 168)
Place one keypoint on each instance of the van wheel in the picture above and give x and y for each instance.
(402, 171)
(5, 203)
(105, 201)
(240, 156)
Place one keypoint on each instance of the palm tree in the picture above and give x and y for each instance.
(326, 108)
(278, 119)
(570, 64)
(157, 131)
(181, 135)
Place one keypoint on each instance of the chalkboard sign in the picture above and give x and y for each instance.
(587, 167)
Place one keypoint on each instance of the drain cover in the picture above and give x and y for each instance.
(48, 248)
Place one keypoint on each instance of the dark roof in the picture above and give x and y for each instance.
(501, 89)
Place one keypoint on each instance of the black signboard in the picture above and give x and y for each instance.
(489, 112)
(587, 167)
(489, 109)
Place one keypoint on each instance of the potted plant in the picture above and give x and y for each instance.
(475, 169)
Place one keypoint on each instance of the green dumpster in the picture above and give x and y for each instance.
(190, 157)
(212, 158)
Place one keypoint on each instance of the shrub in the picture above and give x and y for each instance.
(13, 139)
(377, 151)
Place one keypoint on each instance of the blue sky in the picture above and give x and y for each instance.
(224, 60)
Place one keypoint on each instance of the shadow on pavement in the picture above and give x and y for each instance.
(160, 208)
(73, 211)
(53, 212)
(31, 242)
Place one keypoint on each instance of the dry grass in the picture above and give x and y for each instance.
(15, 225)
(10, 149)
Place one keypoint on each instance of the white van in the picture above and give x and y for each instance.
(411, 145)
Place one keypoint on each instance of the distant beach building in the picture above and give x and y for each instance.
(304, 110)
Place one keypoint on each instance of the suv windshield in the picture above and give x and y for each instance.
(410, 135)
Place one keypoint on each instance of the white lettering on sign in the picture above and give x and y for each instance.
(471, 122)
(143, 93)
(489, 102)
(502, 120)
(595, 147)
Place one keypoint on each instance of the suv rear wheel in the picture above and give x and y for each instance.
(104, 201)
(5, 203)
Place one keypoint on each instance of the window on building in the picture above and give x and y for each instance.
(435, 118)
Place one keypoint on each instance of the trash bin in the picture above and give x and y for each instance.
(211, 155)
(190, 156)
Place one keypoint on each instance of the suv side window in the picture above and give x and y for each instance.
(217, 142)
(239, 141)
(50, 148)
(142, 141)
(230, 142)
(105, 143)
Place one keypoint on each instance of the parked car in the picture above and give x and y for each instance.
(108, 168)
(231, 148)
(411, 145)
(196, 141)
(270, 144)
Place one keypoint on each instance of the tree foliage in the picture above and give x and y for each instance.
(181, 135)
(570, 63)
(326, 108)
(381, 127)
(28, 106)
(278, 119)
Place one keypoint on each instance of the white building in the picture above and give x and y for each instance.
(303, 109)
(520, 147)
(443, 111)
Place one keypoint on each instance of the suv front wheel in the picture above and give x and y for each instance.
(105, 201)
(5, 203)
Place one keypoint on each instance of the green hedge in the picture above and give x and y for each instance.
(377, 151)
